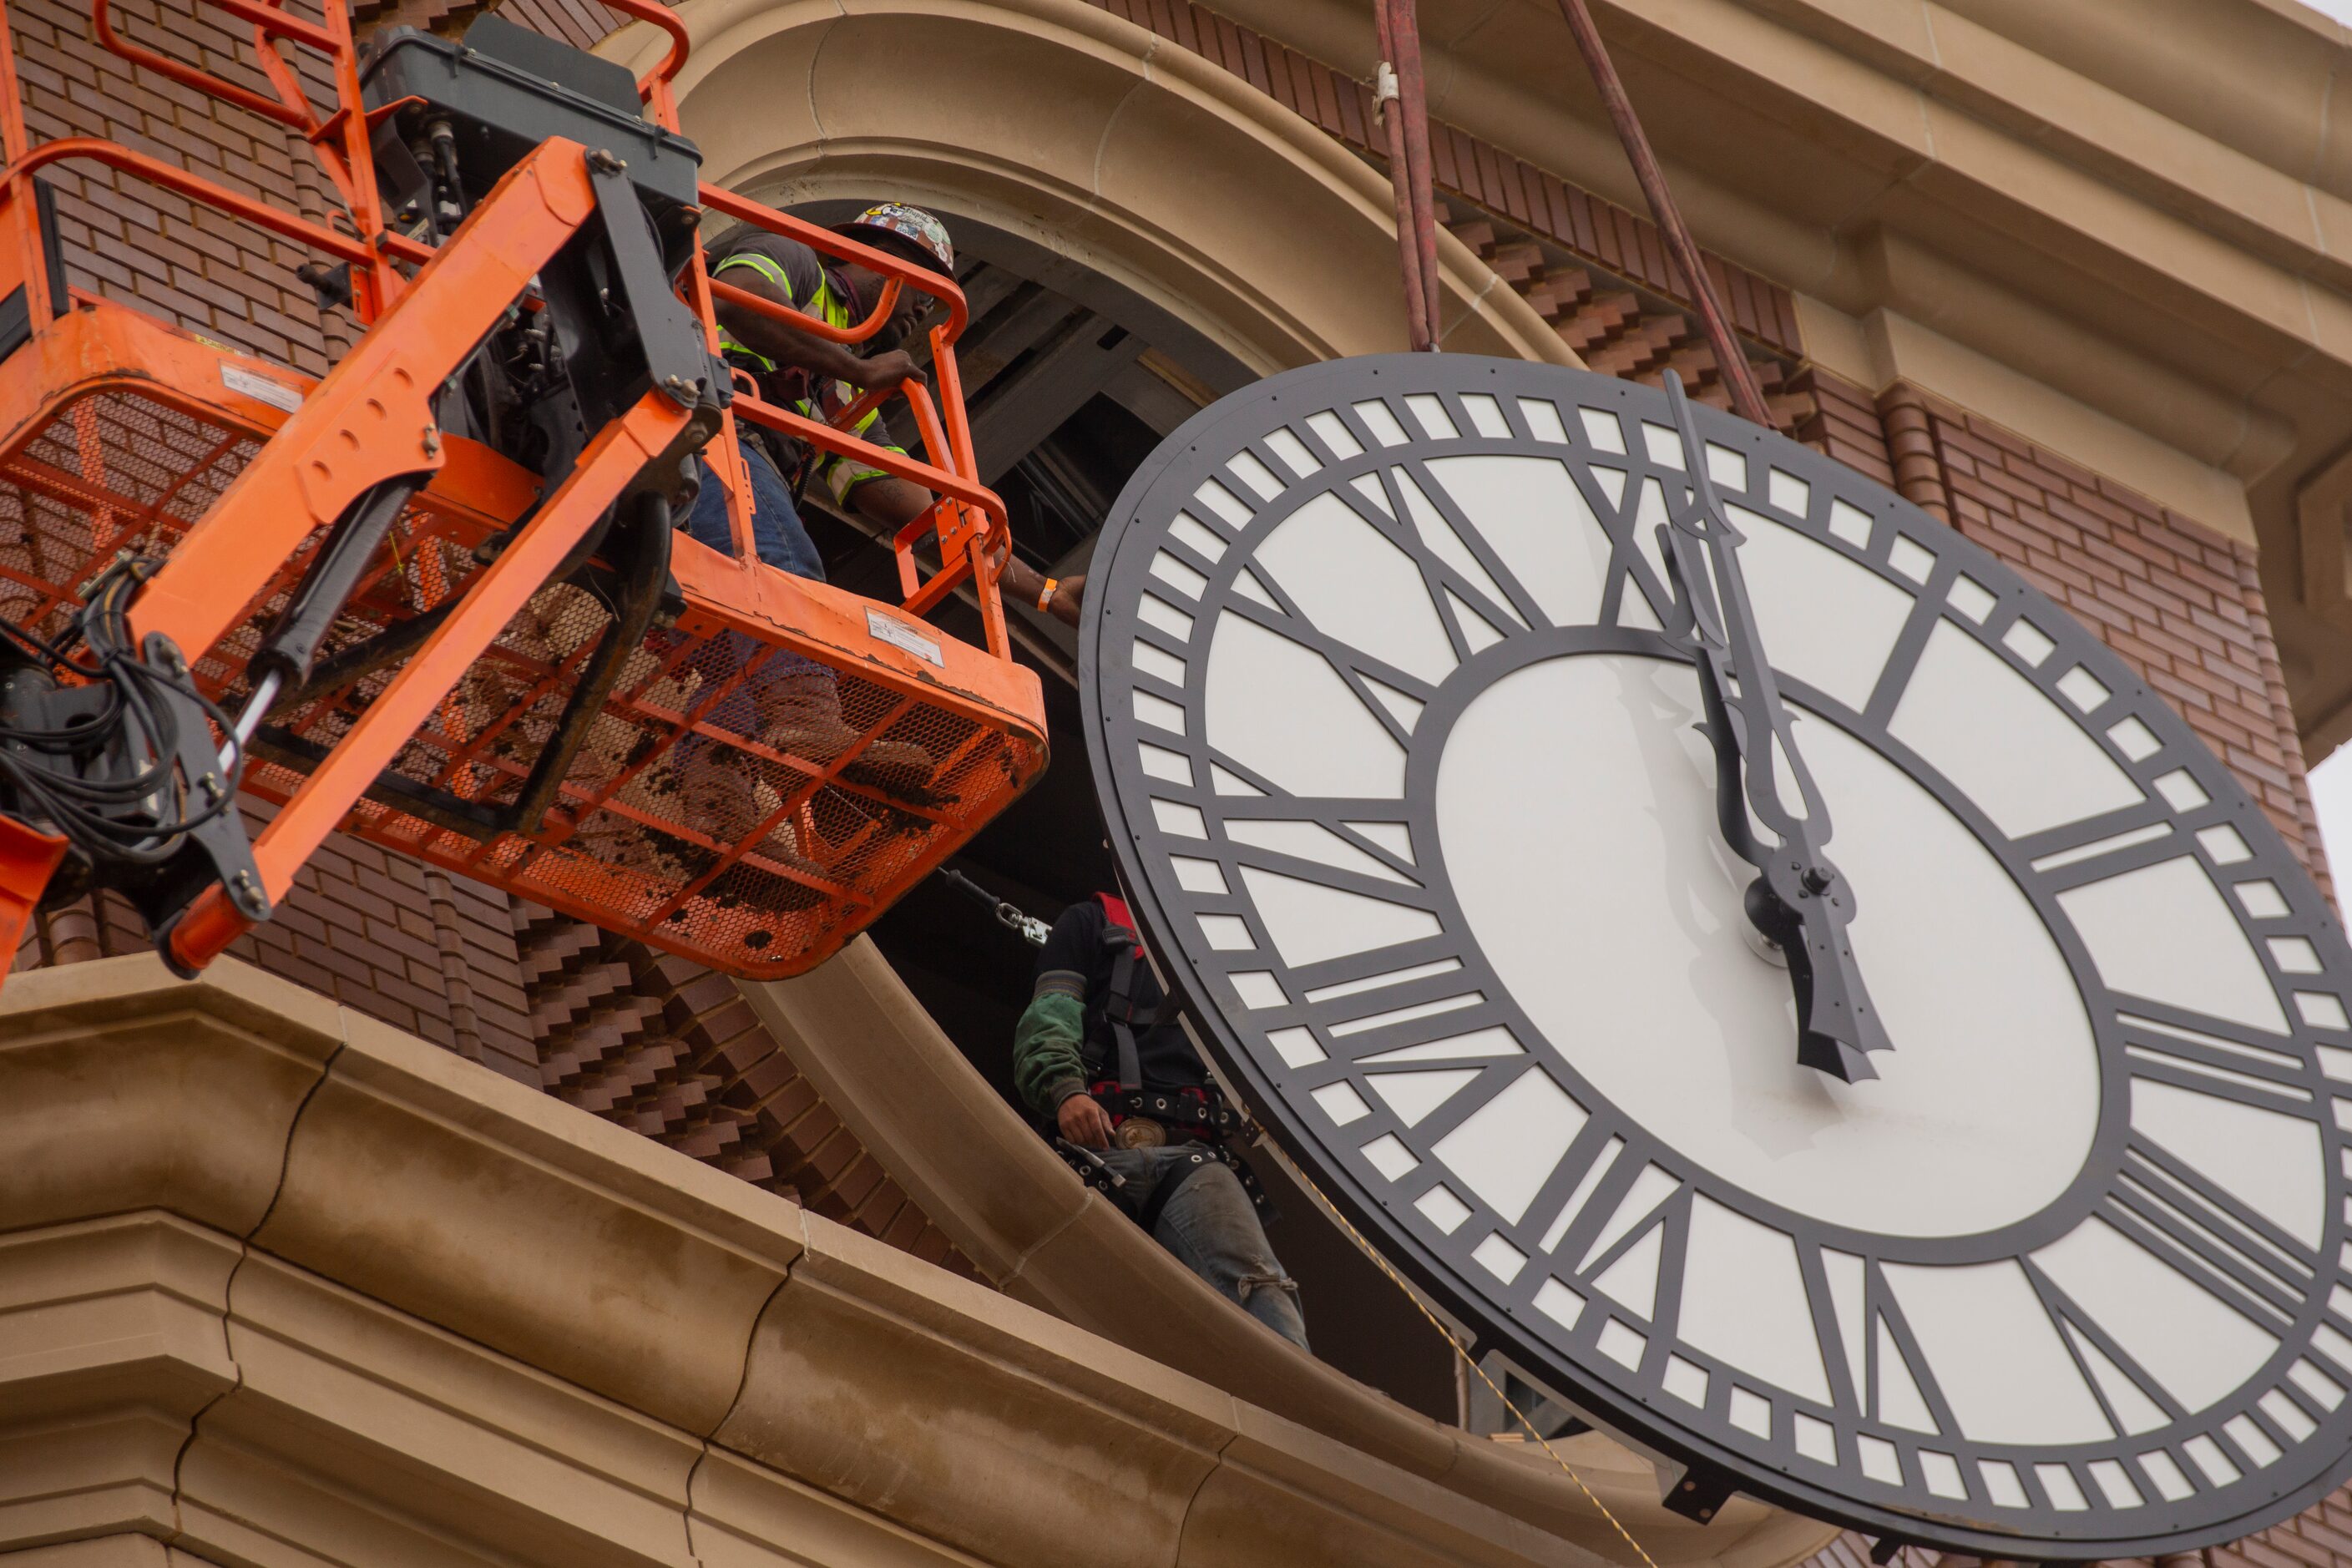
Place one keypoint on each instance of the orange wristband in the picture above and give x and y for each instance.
(1045, 595)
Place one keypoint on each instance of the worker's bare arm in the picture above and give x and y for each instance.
(797, 349)
(891, 502)
(1083, 1121)
(896, 502)
(1025, 584)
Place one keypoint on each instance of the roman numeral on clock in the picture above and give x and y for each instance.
(1894, 675)
(2207, 1056)
(1902, 1390)
(2131, 1399)
(1638, 1263)
(2207, 1232)
(1877, 1369)
(2098, 847)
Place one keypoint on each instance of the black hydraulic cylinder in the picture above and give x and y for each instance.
(291, 645)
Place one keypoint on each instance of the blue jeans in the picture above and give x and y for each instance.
(1211, 1225)
(783, 543)
(777, 531)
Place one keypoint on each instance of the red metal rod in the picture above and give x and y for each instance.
(825, 437)
(101, 19)
(13, 140)
(1404, 25)
(1419, 334)
(1738, 375)
(801, 321)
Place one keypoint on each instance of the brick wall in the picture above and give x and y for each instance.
(2182, 605)
(424, 951)
(1620, 327)
(666, 1047)
(1842, 420)
(1535, 201)
(657, 1044)
(384, 935)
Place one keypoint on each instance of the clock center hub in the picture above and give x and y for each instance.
(1575, 806)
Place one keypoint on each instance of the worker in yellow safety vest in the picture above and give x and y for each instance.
(819, 378)
(793, 703)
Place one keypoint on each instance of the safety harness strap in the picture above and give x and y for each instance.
(1119, 1005)
(1119, 1008)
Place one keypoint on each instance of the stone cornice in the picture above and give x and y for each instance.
(1019, 1213)
(275, 1279)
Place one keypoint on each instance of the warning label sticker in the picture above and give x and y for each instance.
(899, 635)
(260, 388)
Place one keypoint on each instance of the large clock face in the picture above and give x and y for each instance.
(1404, 779)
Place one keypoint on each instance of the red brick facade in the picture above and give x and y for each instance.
(420, 950)
(654, 1043)
(669, 1049)
(2181, 604)
(1535, 201)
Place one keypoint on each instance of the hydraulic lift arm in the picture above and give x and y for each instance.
(437, 600)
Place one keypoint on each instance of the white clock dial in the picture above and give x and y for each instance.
(1402, 771)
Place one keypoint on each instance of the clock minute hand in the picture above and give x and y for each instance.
(1799, 900)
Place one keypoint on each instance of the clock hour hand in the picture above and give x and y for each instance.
(1798, 901)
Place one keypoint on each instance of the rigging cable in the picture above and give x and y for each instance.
(1027, 927)
(1324, 1202)
(1034, 932)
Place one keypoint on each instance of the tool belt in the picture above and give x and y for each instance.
(1197, 1119)
(1143, 1118)
(1153, 1118)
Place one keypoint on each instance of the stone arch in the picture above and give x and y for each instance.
(1117, 164)
(1090, 138)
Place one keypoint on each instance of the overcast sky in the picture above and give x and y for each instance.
(2331, 793)
(2340, 9)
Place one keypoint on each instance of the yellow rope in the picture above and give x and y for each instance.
(1383, 1264)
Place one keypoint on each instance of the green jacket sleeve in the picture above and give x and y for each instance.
(1047, 1064)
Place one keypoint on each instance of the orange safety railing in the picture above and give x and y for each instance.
(967, 518)
(826, 849)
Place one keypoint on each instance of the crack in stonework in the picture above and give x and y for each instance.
(1110, 121)
(229, 1290)
(742, 1381)
(1470, 312)
(1216, 1463)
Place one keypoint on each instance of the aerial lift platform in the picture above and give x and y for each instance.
(435, 598)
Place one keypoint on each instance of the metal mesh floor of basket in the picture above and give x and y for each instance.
(739, 799)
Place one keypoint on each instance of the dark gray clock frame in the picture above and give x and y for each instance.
(1633, 1401)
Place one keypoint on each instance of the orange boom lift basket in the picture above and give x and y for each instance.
(526, 676)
